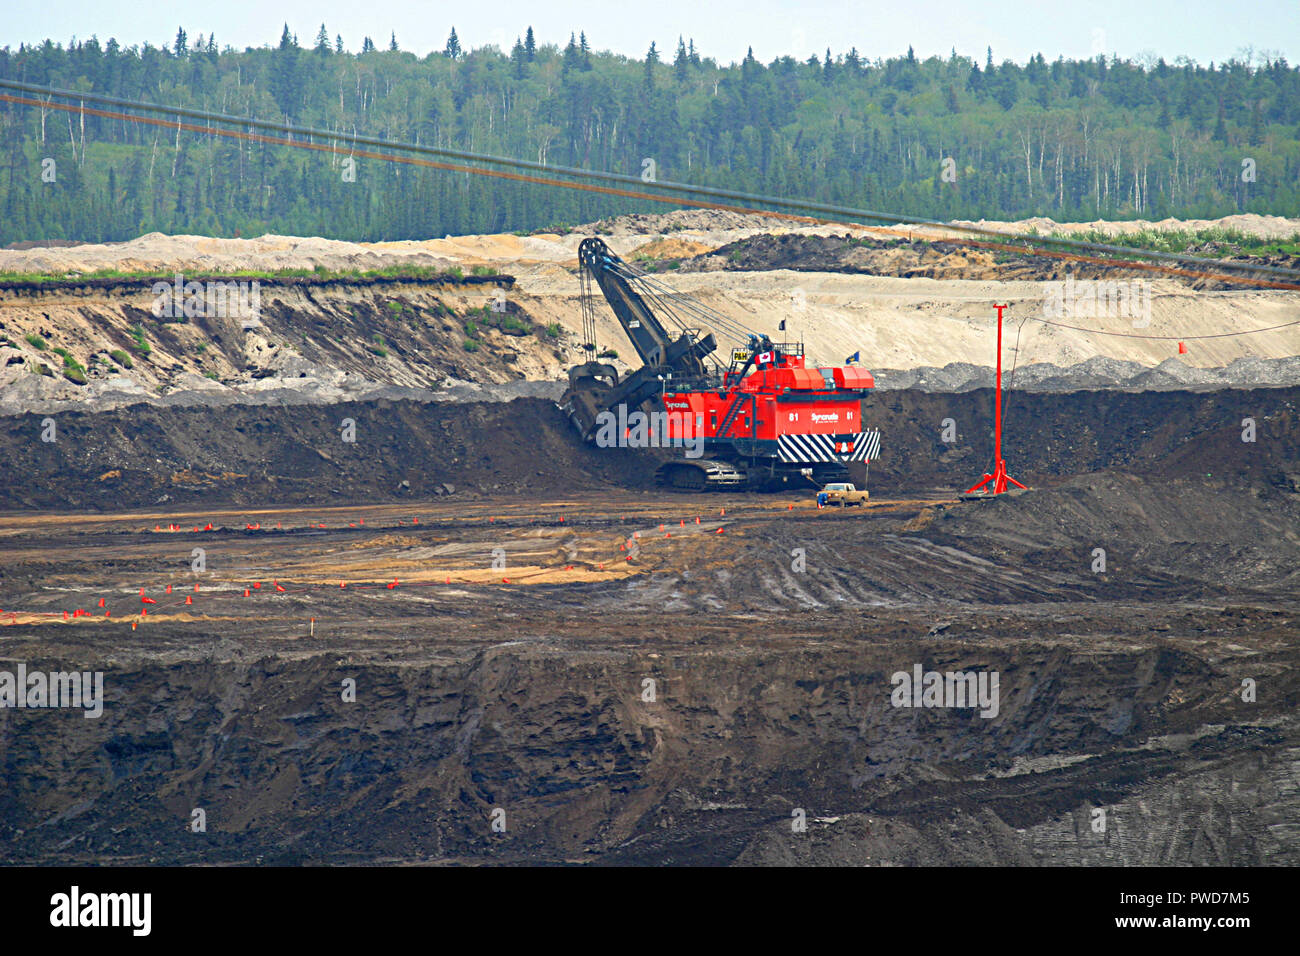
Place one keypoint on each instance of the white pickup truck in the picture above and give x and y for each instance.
(842, 493)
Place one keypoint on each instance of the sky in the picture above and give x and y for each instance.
(1203, 30)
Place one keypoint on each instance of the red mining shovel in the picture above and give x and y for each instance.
(999, 476)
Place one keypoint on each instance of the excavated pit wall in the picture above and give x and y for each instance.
(710, 772)
(147, 456)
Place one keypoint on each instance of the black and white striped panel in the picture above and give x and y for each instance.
(811, 449)
(866, 447)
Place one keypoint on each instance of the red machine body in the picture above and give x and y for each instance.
(764, 420)
(778, 401)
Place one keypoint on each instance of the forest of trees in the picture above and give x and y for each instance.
(1070, 139)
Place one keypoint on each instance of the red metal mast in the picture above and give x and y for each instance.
(999, 476)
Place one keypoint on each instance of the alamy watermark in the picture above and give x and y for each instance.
(41, 689)
(655, 430)
(1096, 299)
(127, 910)
(922, 688)
(214, 300)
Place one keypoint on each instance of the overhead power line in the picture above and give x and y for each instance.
(679, 193)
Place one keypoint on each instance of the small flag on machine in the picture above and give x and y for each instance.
(781, 327)
(852, 358)
(765, 359)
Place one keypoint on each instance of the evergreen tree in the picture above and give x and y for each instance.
(367, 45)
(571, 59)
(322, 41)
(651, 61)
(518, 57)
(392, 42)
(585, 49)
(1220, 128)
(181, 46)
(452, 51)
(530, 45)
(284, 73)
(681, 61)
(338, 43)
(750, 70)
(828, 68)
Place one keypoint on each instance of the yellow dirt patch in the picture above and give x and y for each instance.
(195, 478)
(672, 249)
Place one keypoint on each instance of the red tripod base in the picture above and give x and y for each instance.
(1000, 478)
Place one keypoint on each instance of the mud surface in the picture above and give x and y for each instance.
(506, 667)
